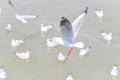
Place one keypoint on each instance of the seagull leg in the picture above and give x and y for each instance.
(69, 52)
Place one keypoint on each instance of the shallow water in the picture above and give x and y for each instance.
(43, 63)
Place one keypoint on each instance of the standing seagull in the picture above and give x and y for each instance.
(106, 36)
(83, 52)
(114, 72)
(23, 55)
(46, 28)
(54, 41)
(3, 74)
(69, 77)
(20, 17)
(8, 28)
(61, 57)
(69, 31)
(15, 43)
(99, 14)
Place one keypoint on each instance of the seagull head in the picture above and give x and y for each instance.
(86, 10)
(115, 66)
(62, 18)
(64, 21)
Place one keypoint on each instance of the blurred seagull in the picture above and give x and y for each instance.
(58, 41)
(54, 41)
(3, 74)
(23, 55)
(69, 31)
(20, 17)
(46, 28)
(61, 57)
(99, 14)
(83, 52)
(23, 18)
(106, 36)
(69, 77)
(114, 72)
(15, 43)
(8, 28)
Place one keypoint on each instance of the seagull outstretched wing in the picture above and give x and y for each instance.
(78, 22)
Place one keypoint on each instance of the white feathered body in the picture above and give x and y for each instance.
(61, 57)
(69, 77)
(114, 72)
(8, 28)
(15, 43)
(107, 36)
(84, 51)
(23, 55)
(46, 28)
(3, 74)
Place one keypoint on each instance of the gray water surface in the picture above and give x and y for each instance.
(43, 63)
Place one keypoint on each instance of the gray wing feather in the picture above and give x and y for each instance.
(78, 22)
(11, 4)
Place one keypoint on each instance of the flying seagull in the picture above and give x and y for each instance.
(21, 17)
(70, 30)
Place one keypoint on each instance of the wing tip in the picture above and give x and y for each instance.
(11, 4)
(86, 10)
